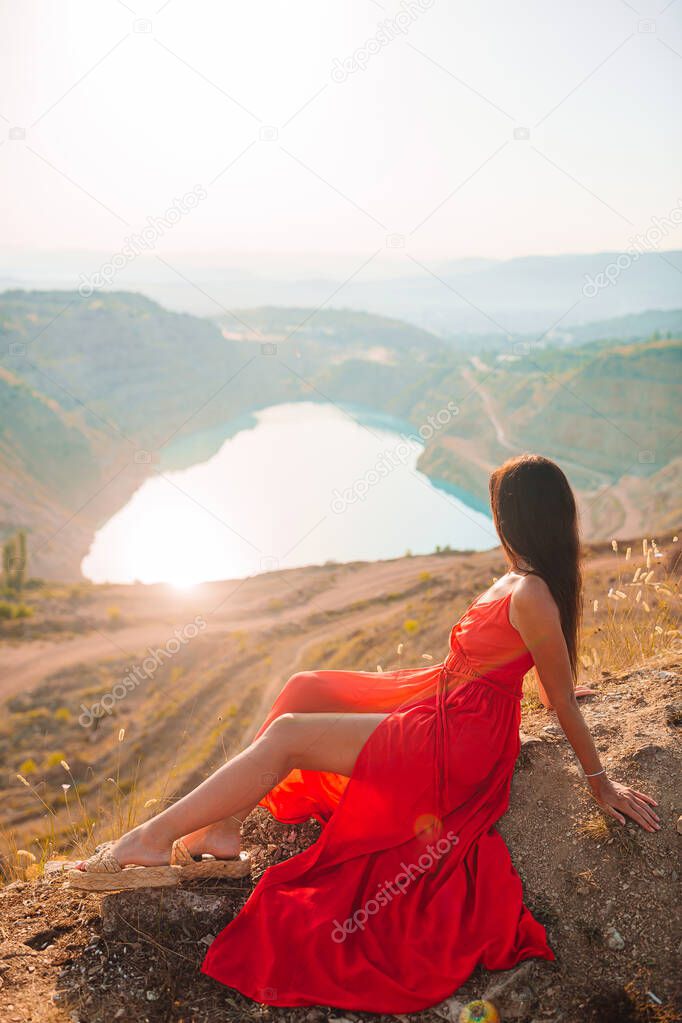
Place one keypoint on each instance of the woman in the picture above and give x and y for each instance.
(409, 886)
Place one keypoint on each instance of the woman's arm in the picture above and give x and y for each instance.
(544, 698)
(536, 617)
(542, 692)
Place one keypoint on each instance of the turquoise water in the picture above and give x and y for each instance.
(292, 485)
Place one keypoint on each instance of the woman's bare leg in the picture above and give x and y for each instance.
(313, 742)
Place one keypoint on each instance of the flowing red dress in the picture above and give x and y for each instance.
(409, 886)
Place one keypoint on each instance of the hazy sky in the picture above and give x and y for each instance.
(122, 116)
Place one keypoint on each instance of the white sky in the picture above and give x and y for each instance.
(138, 118)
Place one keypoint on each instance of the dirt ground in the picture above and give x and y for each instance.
(608, 895)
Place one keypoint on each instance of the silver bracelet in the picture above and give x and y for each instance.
(596, 774)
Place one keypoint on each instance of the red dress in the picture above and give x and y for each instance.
(409, 886)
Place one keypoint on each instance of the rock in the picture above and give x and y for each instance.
(513, 995)
(449, 1010)
(552, 730)
(678, 826)
(673, 714)
(647, 753)
(192, 913)
(608, 907)
(614, 940)
(315, 1016)
(530, 746)
(53, 867)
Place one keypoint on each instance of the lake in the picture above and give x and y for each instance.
(296, 484)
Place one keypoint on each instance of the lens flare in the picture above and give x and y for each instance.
(479, 1011)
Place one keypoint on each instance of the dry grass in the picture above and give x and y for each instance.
(646, 1007)
(595, 828)
(606, 831)
(637, 615)
(78, 824)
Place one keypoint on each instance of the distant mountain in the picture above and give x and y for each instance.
(634, 326)
(96, 392)
(532, 293)
(521, 295)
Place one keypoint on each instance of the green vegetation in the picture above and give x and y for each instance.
(14, 563)
(114, 615)
(14, 581)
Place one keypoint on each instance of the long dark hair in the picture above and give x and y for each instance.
(535, 516)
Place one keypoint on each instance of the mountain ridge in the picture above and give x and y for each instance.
(518, 294)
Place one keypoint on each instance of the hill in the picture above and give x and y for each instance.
(606, 894)
(103, 389)
(633, 327)
(607, 413)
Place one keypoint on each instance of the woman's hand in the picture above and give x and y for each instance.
(585, 691)
(613, 797)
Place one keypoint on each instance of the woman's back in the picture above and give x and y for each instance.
(486, 637)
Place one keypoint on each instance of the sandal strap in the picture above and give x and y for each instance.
(102, 862)
(180, 854)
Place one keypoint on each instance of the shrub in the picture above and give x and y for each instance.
(62, 714)
(28, 767)
(54, 759)
(9, 610)
(411, 626)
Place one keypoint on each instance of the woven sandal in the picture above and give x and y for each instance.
(203, 867)
(103, 873)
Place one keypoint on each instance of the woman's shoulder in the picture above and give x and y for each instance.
(532, 596)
